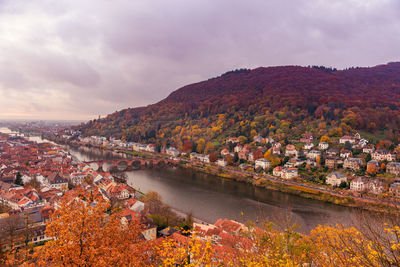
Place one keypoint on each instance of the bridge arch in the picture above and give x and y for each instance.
(122, 165)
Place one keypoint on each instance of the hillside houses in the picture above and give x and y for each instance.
(255, 154)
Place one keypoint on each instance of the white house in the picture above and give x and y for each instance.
(289, 173)
(276, 150)
(238, 148)
(172, 151)
(151, 148)
(313, 154)
(381, 155)
(308, 146)
(258, 139)
(77, 177)
(376, 186)
(323, 145)
(345, 153)
(200, 157)
(222, 162)
(368, 149)
(335, 178)
(291, 151)
(225, 152)
(262, 163)
(359, 184)
(277, 171)
(347, 138)
(54, 180)
(269, 140)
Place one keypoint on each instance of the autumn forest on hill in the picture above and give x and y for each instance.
(280, 102)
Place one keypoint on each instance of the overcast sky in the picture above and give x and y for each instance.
(70, 59)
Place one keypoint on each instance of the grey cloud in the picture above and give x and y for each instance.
(101, 56)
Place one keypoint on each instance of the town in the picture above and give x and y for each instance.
(36, 177)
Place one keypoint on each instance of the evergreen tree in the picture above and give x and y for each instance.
(18, 179)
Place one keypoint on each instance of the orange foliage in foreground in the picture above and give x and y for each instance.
(86, 235)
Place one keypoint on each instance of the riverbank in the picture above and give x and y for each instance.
(294, 189)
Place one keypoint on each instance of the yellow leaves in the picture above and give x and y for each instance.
(253, 133)
(184, 251)
(325, 138)
(275, 161)
(201, 145)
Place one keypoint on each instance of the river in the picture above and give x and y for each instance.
(210, 197)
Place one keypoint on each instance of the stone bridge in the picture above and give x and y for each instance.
(129, 164)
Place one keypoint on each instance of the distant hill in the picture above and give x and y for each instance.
(282, 102)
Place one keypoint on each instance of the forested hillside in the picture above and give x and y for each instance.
(281, 102)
